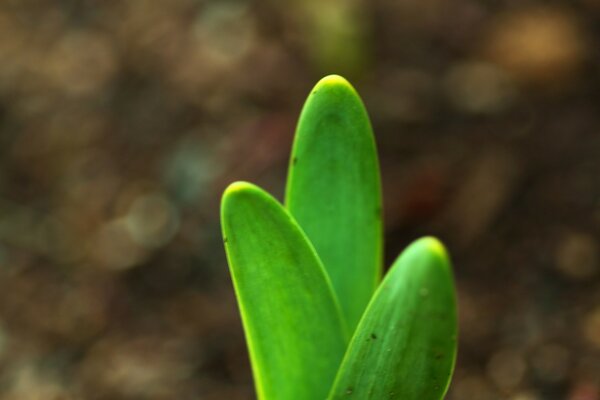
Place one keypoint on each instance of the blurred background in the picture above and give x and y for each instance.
(122, 122)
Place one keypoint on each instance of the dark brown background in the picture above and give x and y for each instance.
(121, 122)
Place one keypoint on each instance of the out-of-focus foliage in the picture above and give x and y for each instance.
(122, 122)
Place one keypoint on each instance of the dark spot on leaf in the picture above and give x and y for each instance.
(294, 160)
(438, 356)
(373, 336)
(225, 240)
(349, 391)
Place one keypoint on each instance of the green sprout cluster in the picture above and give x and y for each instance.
(320, 322)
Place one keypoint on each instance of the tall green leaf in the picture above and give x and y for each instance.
(405, 346)
(294, 329)
(334, 191)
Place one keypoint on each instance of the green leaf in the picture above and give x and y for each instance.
(405, 345)
(334, 191)
(293, 324)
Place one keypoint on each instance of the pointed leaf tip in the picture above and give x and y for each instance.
(235, 192)
(334, 81)
(433, 245)
(238, 186)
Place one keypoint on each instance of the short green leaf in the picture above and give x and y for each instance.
(405, 346)
(334, 191)
(293, 325)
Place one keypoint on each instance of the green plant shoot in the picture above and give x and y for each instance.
(307, 276)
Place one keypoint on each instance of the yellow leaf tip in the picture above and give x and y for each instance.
(238, 190)
(237, 187)
(333, 81)
(434, 245)
(241, 191)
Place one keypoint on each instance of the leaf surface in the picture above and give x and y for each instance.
(334, 191)
(293, 324)
(405, 346)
